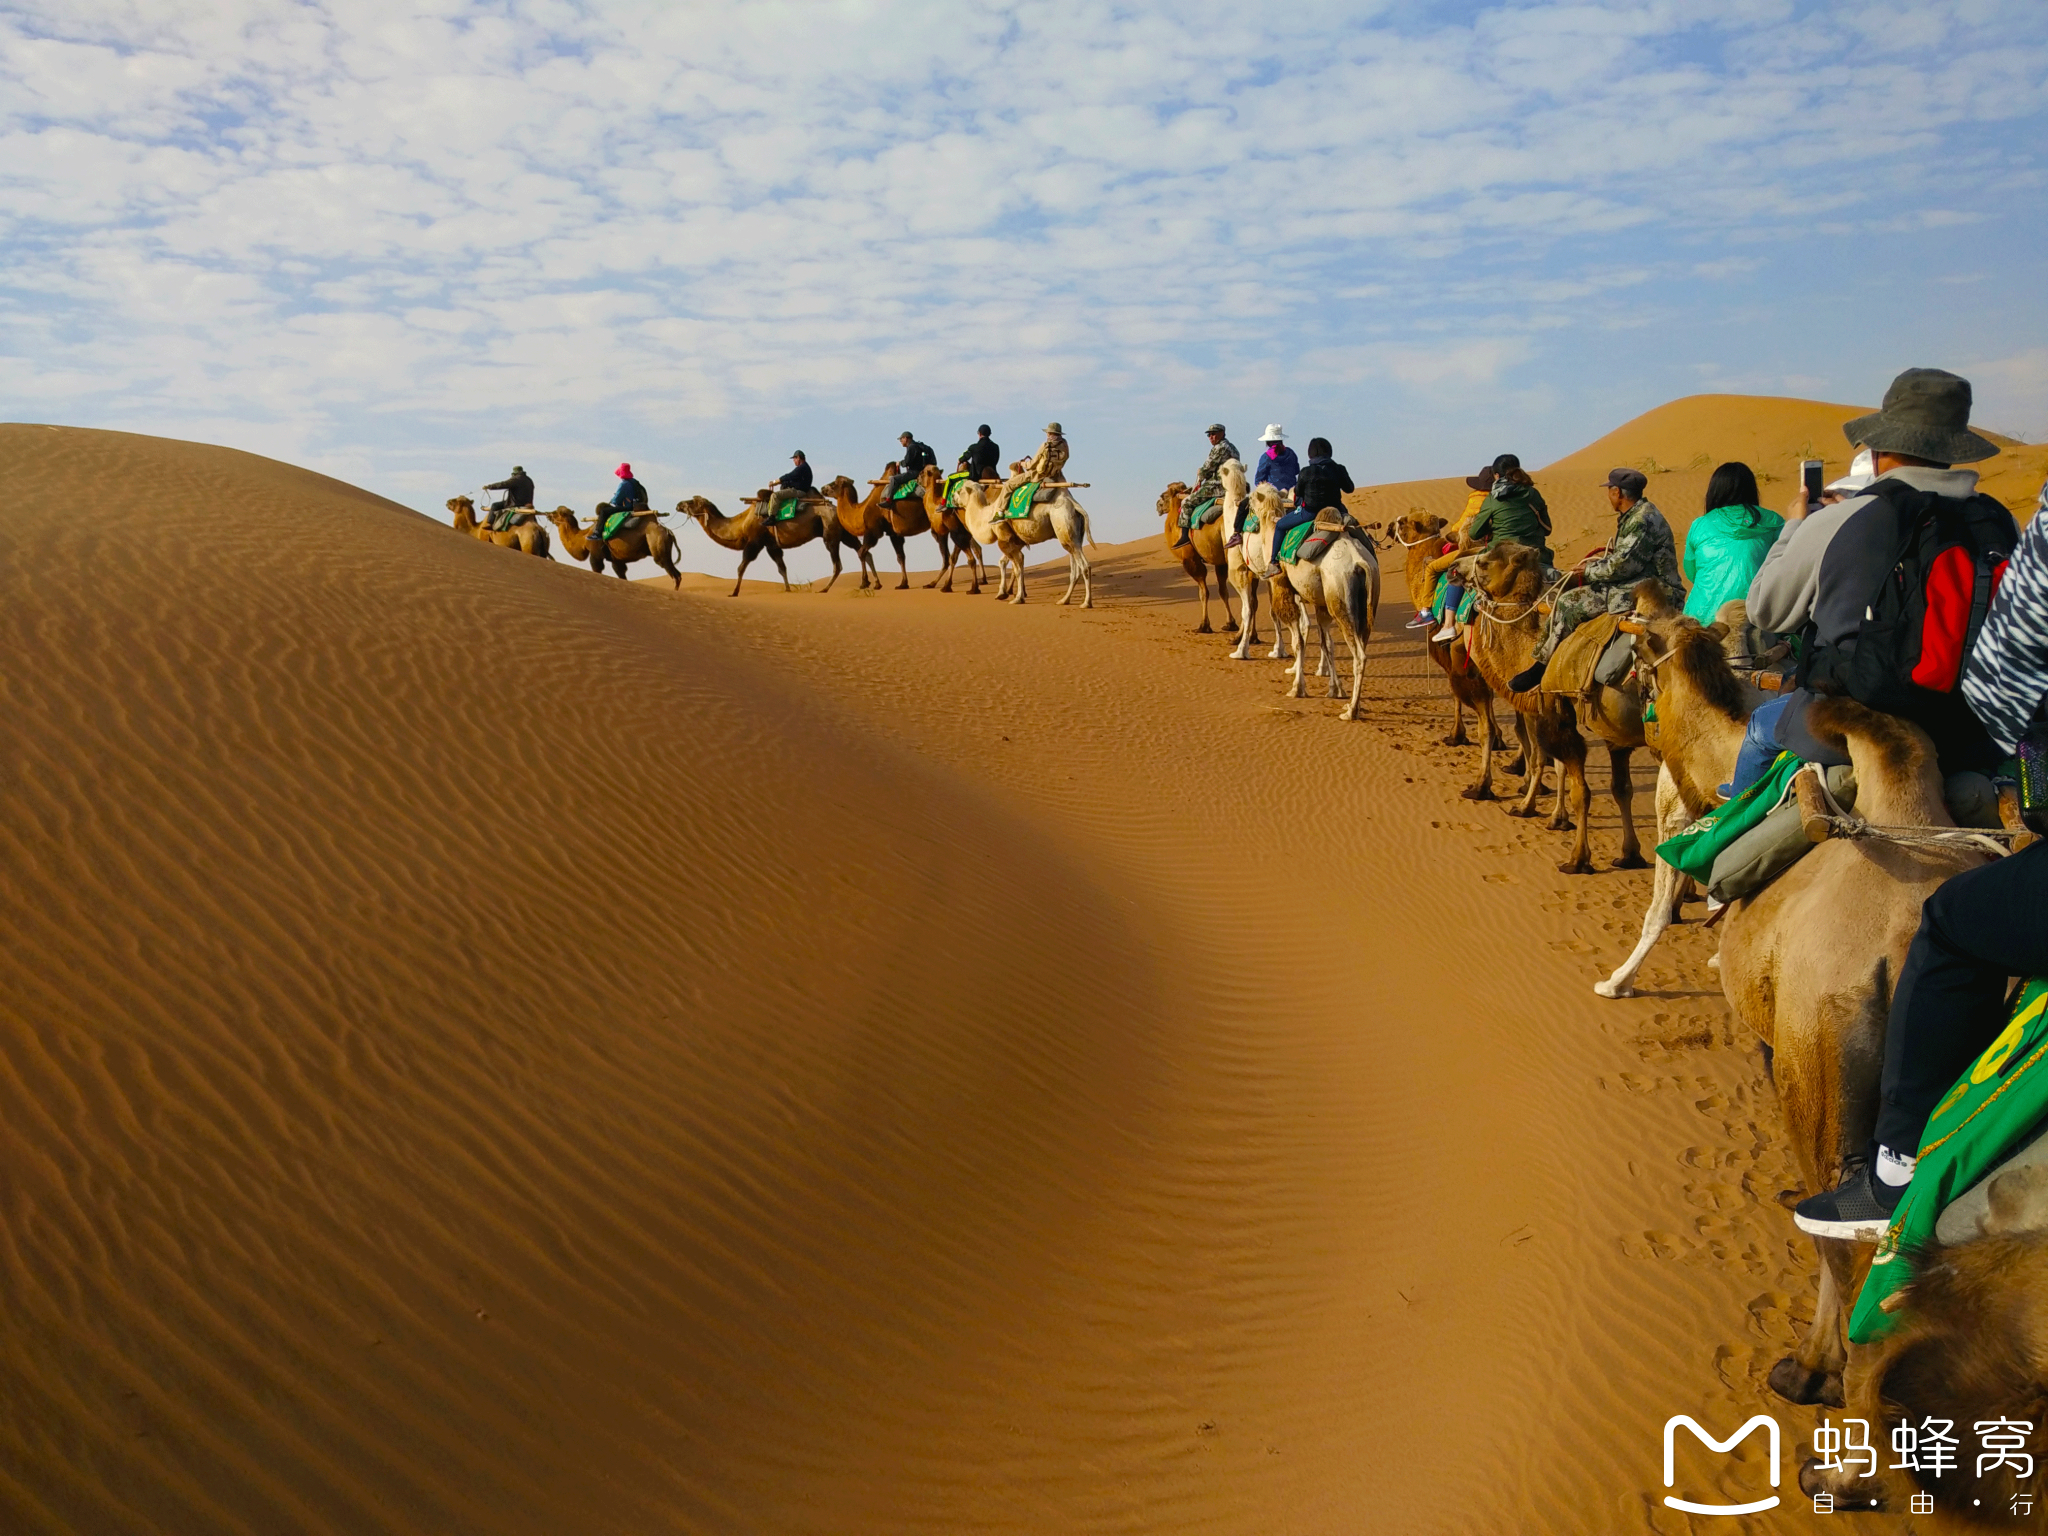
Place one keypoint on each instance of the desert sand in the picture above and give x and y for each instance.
(489, 1048)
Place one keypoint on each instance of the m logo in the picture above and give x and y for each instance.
(1670, 1476)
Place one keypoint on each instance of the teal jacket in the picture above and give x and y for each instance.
(1723, 549)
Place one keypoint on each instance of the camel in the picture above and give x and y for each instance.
(1286, 608)
(1501, 638)
(1969, 1343)
(1421, 536)
(750, 533)
(1705, 742)
(1062, 518)
(863, 522)
(529, 538)
(954, 539)
(1341, 589)
(1808, 962)
(646, 539)
(1203, 551)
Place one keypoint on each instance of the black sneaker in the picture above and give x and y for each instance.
(1858, 1209)
(1527, 678)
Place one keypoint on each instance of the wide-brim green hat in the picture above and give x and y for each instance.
(1926, 415)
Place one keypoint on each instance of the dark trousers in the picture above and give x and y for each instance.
(896, 483)
(1979, 928)
(1287, 525)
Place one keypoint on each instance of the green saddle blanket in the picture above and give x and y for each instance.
(1019, 504)
(910, 488)
(1293, 539)
(1694, 850)
(953, 483)
(1983, 1118)
(614, 521)
(1203, 513)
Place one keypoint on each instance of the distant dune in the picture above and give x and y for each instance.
(488, 1048)
(1679, 444)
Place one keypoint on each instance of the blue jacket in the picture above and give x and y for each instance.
(631, 496)
(1279, 469)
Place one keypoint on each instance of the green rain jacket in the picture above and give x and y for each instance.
(1723, 550)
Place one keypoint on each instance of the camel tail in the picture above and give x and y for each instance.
(1087, 528)
(1358, 602)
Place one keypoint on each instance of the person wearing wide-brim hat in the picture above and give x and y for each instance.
(1831, 559)
(1278, 467)
(1048, 463)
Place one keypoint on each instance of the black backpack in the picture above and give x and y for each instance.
(1922, 617)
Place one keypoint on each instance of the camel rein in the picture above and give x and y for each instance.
(1488, 605)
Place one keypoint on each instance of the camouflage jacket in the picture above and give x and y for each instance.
(1207, 483)
(1642, 547)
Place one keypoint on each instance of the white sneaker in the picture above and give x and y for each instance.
(1447, 634)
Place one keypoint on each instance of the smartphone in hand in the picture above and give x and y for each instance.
(1811, 475)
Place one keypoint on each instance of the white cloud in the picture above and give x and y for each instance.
(334, 216)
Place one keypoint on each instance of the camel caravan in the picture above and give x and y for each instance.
(964, 512)
(1846, 711)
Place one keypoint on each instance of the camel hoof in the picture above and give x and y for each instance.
(1610, 989)
(1797, 1384)
(1518, 767)
(1631, 861)
(1583, 867)
(1476, 792)
(1205, 628)
(1560, 824)
(1456, 741)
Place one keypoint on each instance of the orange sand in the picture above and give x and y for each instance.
(489, 1048)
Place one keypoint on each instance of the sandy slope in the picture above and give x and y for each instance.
(486, 1048)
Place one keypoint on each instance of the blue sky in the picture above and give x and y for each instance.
(411, 243)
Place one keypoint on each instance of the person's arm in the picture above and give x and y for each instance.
(1782, 592)
(2005, 679)
(1265, 470)
(1600, 570)
(1688, 562)
(1344, 481)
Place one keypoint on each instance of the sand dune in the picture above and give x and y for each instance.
(1678, 445)
(488, 1048)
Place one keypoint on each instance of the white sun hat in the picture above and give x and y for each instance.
(1273, 434)
(1862, 473)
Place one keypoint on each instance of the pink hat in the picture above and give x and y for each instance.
(624, 471)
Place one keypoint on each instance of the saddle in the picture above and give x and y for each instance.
(613, 524)
(1311, 541)
(1596, 652)
(1024, 497)
(1202, 514)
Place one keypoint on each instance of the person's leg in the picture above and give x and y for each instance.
(1759, 746)
(1570, 610)
(1453, 599)
(1187, 509)
(1976, 930)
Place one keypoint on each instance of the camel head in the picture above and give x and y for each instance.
(1170, 499)
(1267, 502)
(464, 510)
(1671, 646)
(1413, 528)
(840, 488)
(1233, 477)
(698, 507)
(565, 520)
(1508, 572)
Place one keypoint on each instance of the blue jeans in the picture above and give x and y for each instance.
(1759, 746)
(1287, 525)
(1453, 595)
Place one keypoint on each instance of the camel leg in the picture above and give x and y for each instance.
(1581, 861)
(1534, 755)
(1482, 788)
(1223, 591)
(1624, 790)
(1248, 612)
(1812, 1373)
(1560, 803)
(1660, 914)
(902, 566)
(782, 570)
(1357, 648)
(832, 550)
(1077, 570)
(1198, 573)
(746, 559)
(945, 558)
(1298, 685)
(619, 569)
(1329, 665)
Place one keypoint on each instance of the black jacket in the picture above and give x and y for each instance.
(798, 479)
(518, 490)
(916, 457)
(1322, 485)
(983, 459)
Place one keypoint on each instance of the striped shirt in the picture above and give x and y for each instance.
(2006, 677)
